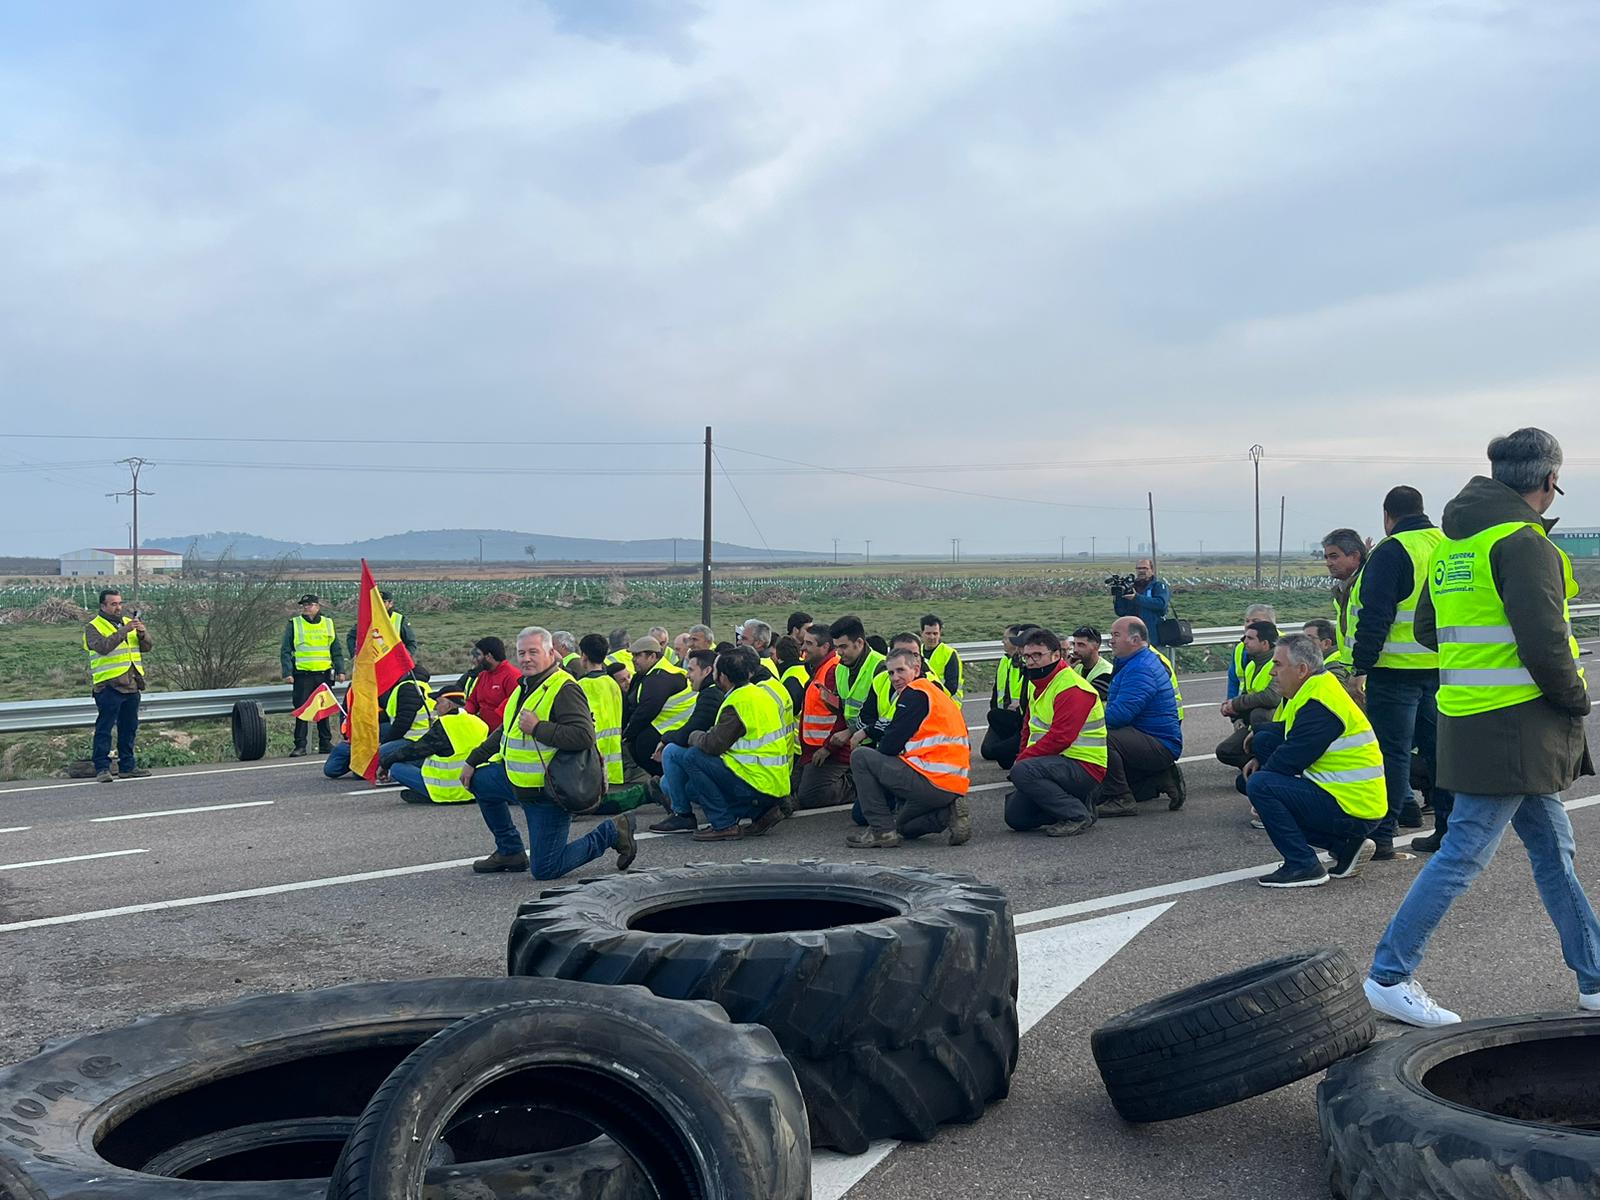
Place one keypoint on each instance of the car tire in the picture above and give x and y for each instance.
(249, 731)
(1505, 1107)
(703, 1107)
(1236, 1036)
(892, 990)
(90, 1114)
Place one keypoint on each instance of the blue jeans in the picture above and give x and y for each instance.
(409, 774)
(338, 761)
(122, 710)
(674, 780)
(721, 794)
(1405, 715)
(387, 749)
(1299, 815)
(1477, 824)
(550, 856)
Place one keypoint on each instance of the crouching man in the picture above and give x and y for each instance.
(914, 779)
(1063, 760)
(1323, 786)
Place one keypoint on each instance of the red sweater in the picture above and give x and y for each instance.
(1073, 706)
(490, 693)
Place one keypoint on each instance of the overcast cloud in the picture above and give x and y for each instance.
(869, 235)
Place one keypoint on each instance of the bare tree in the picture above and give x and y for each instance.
(211, 632)
(531, 551)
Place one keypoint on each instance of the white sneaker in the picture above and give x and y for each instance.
(1407, 1002)
(1589, 1001)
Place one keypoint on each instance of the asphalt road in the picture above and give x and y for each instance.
(195, 887)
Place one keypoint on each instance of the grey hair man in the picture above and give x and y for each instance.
(1496, 609)
(1322, 784)
(548, 713)
(659, 632)
(565, 643)
(757, 635)
(1344, 553)
(701, 637)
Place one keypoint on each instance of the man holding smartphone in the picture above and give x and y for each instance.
(116, 645)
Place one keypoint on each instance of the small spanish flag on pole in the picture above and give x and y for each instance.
(381, 662)
(321, 703)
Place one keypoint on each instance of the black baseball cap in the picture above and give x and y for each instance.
(309, 598)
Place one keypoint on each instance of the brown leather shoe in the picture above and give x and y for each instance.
(501, 862)
(765, 821)
(731, 834)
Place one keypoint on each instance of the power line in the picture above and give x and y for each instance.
(742, 504)
(347, 441)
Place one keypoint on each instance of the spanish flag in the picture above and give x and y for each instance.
(321, 703)
(381, 662)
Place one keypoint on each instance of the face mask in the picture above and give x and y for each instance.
(1038, 672)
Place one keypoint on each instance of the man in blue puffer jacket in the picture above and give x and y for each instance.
(1145, 737)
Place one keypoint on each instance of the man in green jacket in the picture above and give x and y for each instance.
(1512, 701)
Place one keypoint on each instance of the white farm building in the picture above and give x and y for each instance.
(119, 562)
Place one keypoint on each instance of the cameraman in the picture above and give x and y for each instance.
(1148, 599)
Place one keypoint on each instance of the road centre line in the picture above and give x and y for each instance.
(50, 862)
(17, 829)
(173, 812)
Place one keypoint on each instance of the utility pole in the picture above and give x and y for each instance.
(1282, 501)
(1091, 548)
(134, 465)
(836, 552)
(869, 550)
(674, 551)
(1130, 549)
(955, 550)
(1202, 549)
(1063, 547)
(1256, 452)
(1150, 498)
(480, 549)
(705, 545)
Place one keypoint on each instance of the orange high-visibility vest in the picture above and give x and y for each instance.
(940, 751)
(817, 720)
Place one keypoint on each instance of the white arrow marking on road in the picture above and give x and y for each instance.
(1052, 964)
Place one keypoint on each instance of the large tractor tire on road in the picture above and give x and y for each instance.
(1233, 1037)
(249, 731)
(1506, 1108)
(706, 1109)
(892, 990)
(253, 1100)
(14, 1184)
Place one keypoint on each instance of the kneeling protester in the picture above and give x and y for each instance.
(442, 751)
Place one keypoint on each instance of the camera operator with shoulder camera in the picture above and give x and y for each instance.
(1141, 595)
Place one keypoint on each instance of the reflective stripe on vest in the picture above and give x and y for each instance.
(419, 719)
(1090, 744)
(798, 673)
(940, 750)
(1401, 650)
(678, 707)
(605, 702)
(817, 720)
(853, 686)
(1257, 677)
(1351, 768)
(442, 775)
(525, 756)
(760, 757)
(936, 660)
(106, 667)
(1480, 669)
(313, 644)
(779, 693)
(1177, 692)
(1008, 682)
(1343, 634)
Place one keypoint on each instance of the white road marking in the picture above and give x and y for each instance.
(17, 829)
(50, 862)
(50, 787)
(1052, 964)
(173, 812)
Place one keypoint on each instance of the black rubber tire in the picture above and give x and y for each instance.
(898, 1010)
(1233, 1037)
(249, 731)
(1414, 1118)
(15, 1184)
(88, 1114)
(709, 1110)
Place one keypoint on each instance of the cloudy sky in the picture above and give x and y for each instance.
(1111, 244)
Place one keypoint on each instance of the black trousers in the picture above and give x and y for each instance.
(1002, 741)
(1136, 765)
(306, 682)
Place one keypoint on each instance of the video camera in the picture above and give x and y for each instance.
(1121, 585)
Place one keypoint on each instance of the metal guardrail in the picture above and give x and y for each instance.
(22, 716)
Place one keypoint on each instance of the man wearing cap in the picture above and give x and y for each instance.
(659, 700)
(402, 627)
(430, 767)
(310, 655)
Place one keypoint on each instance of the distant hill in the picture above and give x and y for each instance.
(461, 545)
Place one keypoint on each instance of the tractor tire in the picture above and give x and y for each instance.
(249, 731)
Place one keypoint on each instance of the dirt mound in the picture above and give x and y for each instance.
(57, 610)
(502, 600)
(433, 602)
